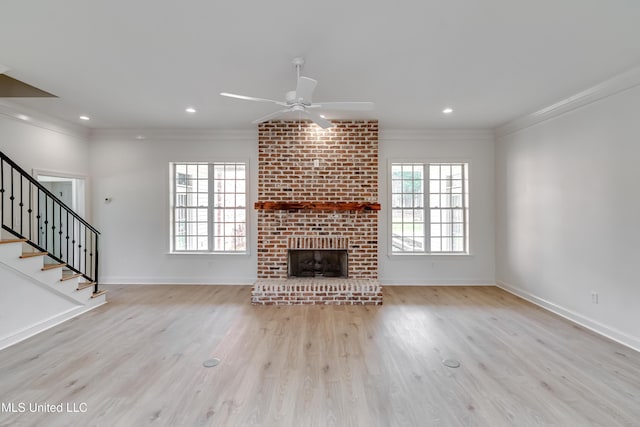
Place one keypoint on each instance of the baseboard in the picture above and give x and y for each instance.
(247, 281)
(595, 326)
(44, 325)
(115, 280)
(393, 282)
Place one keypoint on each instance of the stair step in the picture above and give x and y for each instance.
(5, 241)
(70, 276)
(52, 266)
(32, 254)
(85, 285)
(97, 294)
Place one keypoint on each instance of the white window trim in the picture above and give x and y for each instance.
(389, 209)
(171, 200)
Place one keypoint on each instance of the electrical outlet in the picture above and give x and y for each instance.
(594, 297)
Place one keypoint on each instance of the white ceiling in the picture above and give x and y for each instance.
(138, 64)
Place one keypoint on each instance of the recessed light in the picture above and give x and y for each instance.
(323, 116)
(447, 110)
(190, 110)
(84, 118)
(141, 137)
(22, 117)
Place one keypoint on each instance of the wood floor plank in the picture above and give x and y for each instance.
(138, 361)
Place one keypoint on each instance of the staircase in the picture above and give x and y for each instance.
(15, 255)
(48, 258)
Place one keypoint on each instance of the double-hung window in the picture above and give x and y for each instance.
(209, 207)
(429, 208)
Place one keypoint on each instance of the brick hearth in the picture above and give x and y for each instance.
(317, 291)
(301, 163)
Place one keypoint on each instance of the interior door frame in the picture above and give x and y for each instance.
(87, 206)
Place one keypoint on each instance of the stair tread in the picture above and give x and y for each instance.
(70, 276)
(5, 241)
(85, 285)
(32, 254)
(52, 266)
(97, 294)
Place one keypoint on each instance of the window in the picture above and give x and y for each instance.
(429, 208)
(209, 207)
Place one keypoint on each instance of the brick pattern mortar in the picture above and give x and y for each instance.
(299, 162)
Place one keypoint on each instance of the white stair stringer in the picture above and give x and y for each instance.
(34, 300)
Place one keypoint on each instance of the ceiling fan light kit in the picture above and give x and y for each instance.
(300, 101)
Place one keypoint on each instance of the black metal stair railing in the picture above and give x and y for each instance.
(29, 211)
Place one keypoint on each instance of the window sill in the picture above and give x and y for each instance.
(429, 255)
(210, 253)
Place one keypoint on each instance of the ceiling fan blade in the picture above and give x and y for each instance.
(251, 98)
(269, 116)
(323, 123)
(344, 106)
(305, 89)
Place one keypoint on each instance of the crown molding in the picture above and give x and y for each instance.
(13, 111)
(619, 83)
(176, 134)
(424, 135)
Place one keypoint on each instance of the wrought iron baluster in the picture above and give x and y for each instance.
(73, 242)
(95, 274)
(38, 218)
(2, 191)
(90, 267)
(30, 211)
(21, 204)
(46, 222)
(53, 227)
(60, 230)
(12, 198)
(67, 239)
(85, 250)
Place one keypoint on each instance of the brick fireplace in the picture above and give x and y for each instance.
(317, 191)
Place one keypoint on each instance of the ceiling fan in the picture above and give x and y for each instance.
(299, 101)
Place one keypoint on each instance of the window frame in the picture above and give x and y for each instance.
(466, 195)
(173, 194)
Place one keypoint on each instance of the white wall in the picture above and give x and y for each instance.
(37, 145)
(476, 147)
(134, 174)
(568, 207)
(26, 307)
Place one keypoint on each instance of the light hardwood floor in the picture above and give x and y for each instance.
(138, 361)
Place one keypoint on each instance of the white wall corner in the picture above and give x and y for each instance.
(616, 84)
(625, 339)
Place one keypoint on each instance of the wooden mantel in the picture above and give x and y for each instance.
(317, 206)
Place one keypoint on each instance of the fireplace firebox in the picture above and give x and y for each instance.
(318, 263)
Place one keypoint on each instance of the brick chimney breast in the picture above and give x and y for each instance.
(300, 163)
